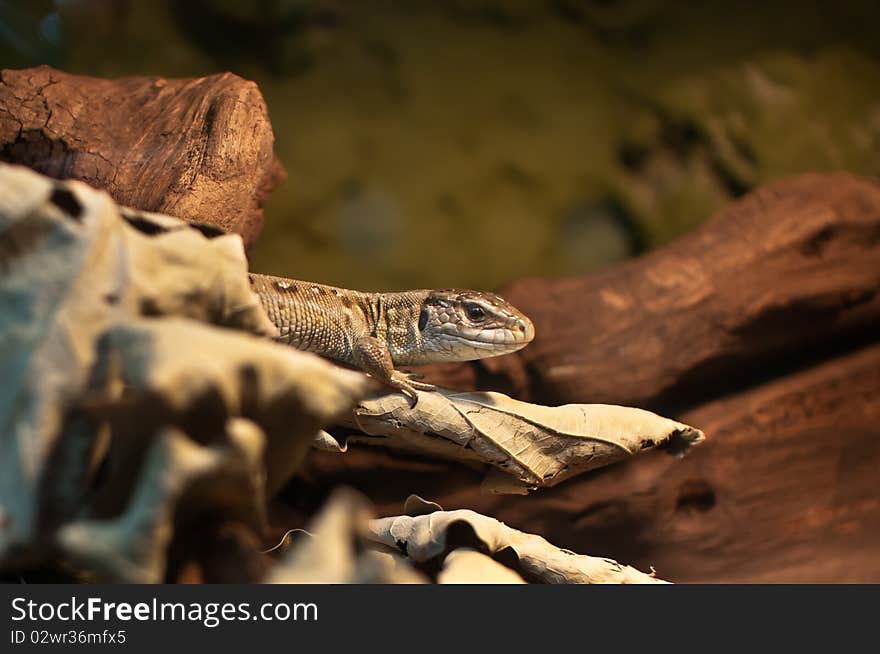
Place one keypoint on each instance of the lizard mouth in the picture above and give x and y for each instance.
(460, 340)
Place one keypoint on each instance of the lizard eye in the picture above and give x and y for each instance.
(474, 311)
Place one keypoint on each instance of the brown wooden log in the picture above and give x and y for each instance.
(775, 279)
(199, 148)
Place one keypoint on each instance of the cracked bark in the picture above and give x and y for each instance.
(199, 149)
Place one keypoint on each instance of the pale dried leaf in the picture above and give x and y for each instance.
(69, 268)
(416, 505)
(57, 269)
(224, 374)
(528, 445)
(429, 537)
(175, 270)
(131, 548)
(325, 441)
(467, 566)
(287, 541)
(89, 381)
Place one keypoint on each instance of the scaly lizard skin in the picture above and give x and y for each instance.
(378, 331)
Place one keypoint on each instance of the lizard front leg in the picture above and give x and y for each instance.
(372, 356)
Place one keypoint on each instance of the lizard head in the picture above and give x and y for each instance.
(466, 325)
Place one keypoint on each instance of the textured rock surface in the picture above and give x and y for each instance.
(199, 148)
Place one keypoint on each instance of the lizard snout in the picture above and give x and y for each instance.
(524, 327)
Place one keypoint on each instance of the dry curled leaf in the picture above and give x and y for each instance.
(432, 536)
(467, 566)
(324, 440)
(108, 365)
(528, 445)
(222, 375)
(187, 269)
(287, 540)
(177, 476)
(416, 505)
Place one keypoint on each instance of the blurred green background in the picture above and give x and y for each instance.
(470, 142)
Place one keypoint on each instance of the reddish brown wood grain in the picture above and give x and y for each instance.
(199, 148)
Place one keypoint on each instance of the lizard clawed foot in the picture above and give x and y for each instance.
(406, 385)
(411, 395)
(371, 355)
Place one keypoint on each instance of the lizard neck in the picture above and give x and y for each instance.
(397, 323)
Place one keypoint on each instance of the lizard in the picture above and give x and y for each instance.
(375, 332)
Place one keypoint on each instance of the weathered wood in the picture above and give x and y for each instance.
(767, 283)
(199, 148)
